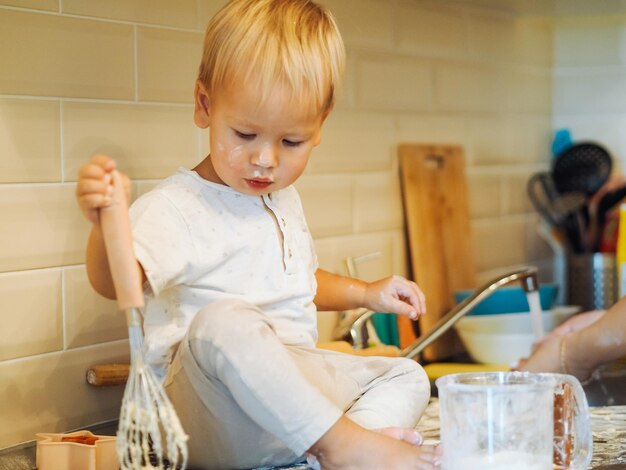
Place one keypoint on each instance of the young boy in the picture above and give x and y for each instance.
(231, 279)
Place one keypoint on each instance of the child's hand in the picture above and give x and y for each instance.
(94, 187)
(395, 294)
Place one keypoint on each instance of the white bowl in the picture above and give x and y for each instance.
(505, 338)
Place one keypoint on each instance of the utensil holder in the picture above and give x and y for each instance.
(592, 281)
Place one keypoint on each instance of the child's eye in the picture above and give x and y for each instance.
(291, 143)
(243, 135)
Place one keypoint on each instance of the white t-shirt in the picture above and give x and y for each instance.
(199, 241)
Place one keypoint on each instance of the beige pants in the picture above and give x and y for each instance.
(247, 400)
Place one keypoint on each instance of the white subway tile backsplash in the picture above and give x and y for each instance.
(24, 159)
(394, 83)
(50, 55)
(592, 90)
(431, 128)
(377, 202)
(44, 227)
(89, 317)
(328, 204)
(354, 142)
(364, 23)
(590, 42)
(431, 32)
(181, 14)
(492, 38)
(149, 141)
(500, 242)
(496, 139)
(485, 194)
(31, 321)
(467, 87)
(536, 46)
(206, 10)
(49, 5)
(49, 393)
(512, 40)
(167, 63)
(346, 96)
(478, 88)
(528, 91)
(516, 199)
(375, 249)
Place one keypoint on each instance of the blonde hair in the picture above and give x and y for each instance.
(293, 41)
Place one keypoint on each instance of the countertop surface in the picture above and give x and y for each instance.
(608, 425)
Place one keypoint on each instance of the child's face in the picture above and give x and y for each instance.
(257, 149)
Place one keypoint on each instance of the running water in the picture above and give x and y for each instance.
(535, 314)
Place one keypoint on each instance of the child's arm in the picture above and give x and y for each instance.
(93, 192)
(393, 294)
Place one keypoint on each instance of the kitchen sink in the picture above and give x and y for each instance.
(609, 387)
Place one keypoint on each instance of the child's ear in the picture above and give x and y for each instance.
(201, 114)
(317, 139)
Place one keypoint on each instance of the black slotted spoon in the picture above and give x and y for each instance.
(584, 167)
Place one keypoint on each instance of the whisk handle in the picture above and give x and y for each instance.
(116, 230)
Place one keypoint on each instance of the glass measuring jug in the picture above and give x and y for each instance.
(513, 421)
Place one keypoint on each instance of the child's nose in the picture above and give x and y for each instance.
(266, 157)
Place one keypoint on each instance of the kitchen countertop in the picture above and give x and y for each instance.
(608, 424)
(608, 427)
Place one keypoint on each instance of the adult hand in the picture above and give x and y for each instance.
(575, 323)
(546, 355)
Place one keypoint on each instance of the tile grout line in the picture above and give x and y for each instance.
(62, 139)
(63, 310)
(100, 19)
(67, 99)
(95, 346)
(135, 65)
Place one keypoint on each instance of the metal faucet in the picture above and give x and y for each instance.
(528, 278)
(526, 275)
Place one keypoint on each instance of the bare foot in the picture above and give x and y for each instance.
(347, 446)
(408, 435)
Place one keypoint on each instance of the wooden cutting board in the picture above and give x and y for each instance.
(438, 233)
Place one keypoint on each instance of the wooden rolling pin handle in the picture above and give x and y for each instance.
(105, 375)
(118, 241)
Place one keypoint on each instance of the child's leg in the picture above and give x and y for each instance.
(220, 434)
(241, 394)
(393, 395)
(395, 391)
(390, 391)
(246, 399)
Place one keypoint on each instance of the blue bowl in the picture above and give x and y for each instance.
(509, 300)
